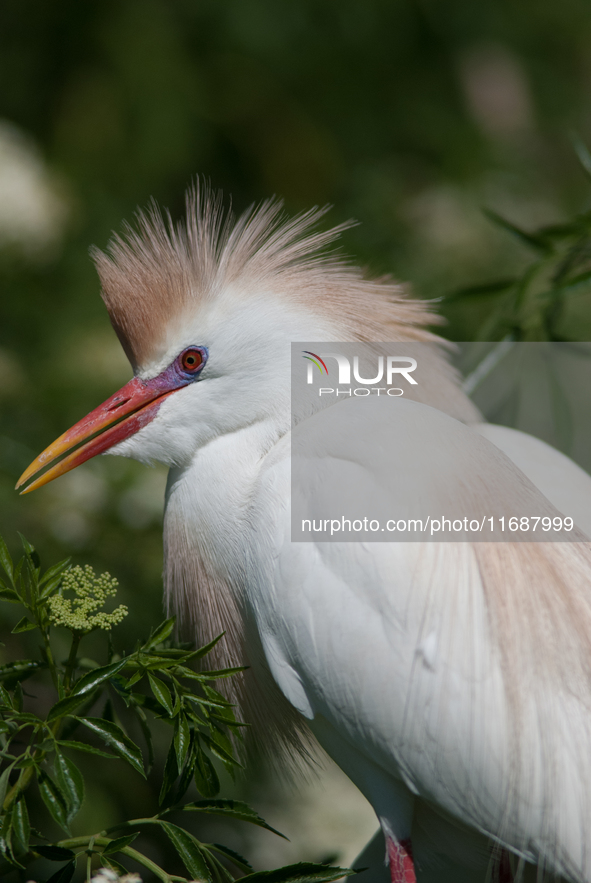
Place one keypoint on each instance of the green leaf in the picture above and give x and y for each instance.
(30, 550)
(7, 594)
(203, 651)
(50, 587)
(53, 571)
(582, 152)
(24, 625)
(206, 777)
(4, 782)
(20, 670)
(161, 633)
(182, 738)
(6, 560)
(54, 800)
(161, 692)
(190, 851)
(119, 843)
(529, 239)
(84, 746)
(216, 698)
(54, 853)
(64, 875)
(234, 857)
(20, 826)
(5, 697)
(489, 288)
(114, 865)
(171, 772)
(65, 706)
(147, 733)
(71, 783)
(235, 809)
(221, 748)
(116, 739)
(97, 676)
(303, 872)
(18, 698)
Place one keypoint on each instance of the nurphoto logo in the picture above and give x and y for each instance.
(388, 369)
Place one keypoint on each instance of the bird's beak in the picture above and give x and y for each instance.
(122, 415)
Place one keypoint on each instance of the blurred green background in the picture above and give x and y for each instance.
(408, 115)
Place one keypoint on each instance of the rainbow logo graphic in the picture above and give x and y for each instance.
(316, 360)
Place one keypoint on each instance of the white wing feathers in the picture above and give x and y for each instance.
(462, 670)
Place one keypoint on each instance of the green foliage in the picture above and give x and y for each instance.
(530, 305)
(156, 677)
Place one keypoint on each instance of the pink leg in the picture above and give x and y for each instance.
(402, 869)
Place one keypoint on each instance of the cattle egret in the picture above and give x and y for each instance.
(450, 681)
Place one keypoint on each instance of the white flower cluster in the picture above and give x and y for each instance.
(90, 594)
(106, 875)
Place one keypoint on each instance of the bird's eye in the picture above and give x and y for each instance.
(192, 360)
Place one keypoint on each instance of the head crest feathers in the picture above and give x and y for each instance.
(161, 270)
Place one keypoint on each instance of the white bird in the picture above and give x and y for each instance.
(450, 681)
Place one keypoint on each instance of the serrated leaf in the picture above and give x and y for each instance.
(84, 746)
(205, 775)
(147, 733)
(214, 674)
(234, 857)
(216, 697)
(6, 560)
(13, 672)
(64, 875)
(116, 739)
(169, 777)
(65, 706)
(5, 697)
(182, 738)
(54, 800)
(203, 651)
(54, 570)
(20, 826)
(235, 809)
(54, 853)
(303, 872)
(71, 783)
(220, 746)
(30, 550)
(119, 843)
(50, 587)
(161, 692)
(187, 773)
(89, 682)
(190, 852)
(161, 634)
(114, 865)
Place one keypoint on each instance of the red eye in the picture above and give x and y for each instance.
(191, 360)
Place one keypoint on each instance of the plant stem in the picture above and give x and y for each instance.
(80, 842)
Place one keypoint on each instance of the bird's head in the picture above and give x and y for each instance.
(205, 311)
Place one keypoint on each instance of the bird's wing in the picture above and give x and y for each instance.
(564, 483)
(460, 668)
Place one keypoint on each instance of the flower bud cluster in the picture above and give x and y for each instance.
(83, 613)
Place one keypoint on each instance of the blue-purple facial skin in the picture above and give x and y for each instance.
(175, 376)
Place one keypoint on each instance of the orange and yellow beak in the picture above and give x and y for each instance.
(122, 415)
